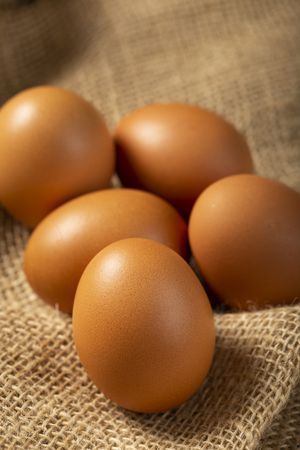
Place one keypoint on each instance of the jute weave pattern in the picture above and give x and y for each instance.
(239, 57)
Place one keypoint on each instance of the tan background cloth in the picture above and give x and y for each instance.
(239, 57)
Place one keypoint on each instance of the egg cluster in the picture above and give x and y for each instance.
(117, 258)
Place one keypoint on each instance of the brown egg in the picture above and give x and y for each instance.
(245, 235)
(177, 150)
(143, 326)
(54, 146)
(66, 240)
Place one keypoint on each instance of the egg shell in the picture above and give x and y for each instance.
(177, 150)
(65, 241)
(54, 146)
(143, 326)
(244, 232)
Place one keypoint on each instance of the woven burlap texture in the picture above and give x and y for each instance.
(239, 57)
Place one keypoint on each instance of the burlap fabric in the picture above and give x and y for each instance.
(239, 57)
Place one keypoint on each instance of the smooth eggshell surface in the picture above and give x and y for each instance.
(143, 326)
(177, 150)
(244, 232)
(65, 241)
(54, 146)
